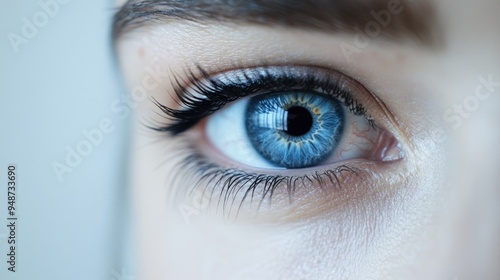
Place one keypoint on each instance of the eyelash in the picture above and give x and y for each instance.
(208, 94)
(231, 181)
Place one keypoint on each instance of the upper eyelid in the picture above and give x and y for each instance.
(196, 89)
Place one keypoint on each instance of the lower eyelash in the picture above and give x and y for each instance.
(231, 182)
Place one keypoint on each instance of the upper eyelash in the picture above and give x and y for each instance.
(208, 94)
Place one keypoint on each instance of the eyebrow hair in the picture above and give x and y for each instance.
(415, 22)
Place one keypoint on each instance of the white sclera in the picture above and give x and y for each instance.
(226, 130)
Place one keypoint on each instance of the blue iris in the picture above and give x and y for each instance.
(294, 129)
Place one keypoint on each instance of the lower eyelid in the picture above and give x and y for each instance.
(313, 191)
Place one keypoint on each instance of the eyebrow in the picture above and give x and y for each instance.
(416, 21)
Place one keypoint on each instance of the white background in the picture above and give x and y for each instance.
(62, 81)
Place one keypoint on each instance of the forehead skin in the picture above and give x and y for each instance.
(432, 230)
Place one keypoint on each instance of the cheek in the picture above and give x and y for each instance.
(228, 252)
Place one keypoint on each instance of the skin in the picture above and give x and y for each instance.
(432, 215)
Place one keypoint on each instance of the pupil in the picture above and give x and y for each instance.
(299, 121)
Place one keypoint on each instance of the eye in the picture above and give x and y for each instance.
(299, 128)
(255, 130)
